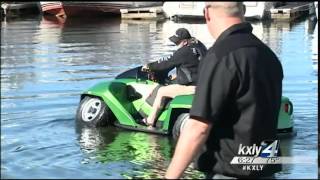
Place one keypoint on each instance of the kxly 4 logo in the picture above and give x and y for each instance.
(266, 149)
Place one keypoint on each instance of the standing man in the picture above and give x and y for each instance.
(237, 98)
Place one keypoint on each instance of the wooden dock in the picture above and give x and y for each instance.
(291, 11)
(143, 13)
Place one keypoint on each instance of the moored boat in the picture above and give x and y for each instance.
(259, 9)
(91, 8)
(52, 7)
(189, 9)
(194, 9)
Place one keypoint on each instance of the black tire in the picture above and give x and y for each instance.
(93, 112)
(178, 125)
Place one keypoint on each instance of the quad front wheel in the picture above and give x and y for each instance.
(92, 112)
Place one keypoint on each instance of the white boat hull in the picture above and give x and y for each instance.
(257, 10)
(183, 9)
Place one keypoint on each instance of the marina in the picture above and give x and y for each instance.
(47, 61)
(276, 10)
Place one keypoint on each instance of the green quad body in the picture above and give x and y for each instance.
(123, 96)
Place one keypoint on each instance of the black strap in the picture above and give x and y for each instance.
(187, 74)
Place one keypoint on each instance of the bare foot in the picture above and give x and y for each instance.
(145, 121)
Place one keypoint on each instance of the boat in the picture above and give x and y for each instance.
(194, 9)
(11, 9)
(177, 10)
(52, 7)
(72, 8)
(260, 10)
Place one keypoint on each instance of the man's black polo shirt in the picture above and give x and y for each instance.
(239, 91)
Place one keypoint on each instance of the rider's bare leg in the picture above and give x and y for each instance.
(171, 91)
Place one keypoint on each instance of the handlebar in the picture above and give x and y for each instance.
(159, 77)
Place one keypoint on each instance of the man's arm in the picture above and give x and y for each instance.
(192, 138)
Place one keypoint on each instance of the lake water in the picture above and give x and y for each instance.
(46, 63)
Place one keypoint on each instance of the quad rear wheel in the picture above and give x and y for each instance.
(93, 112)
(179, 124)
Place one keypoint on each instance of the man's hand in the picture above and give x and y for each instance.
(145, 68)
(191, 140)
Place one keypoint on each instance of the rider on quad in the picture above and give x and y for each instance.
(186, 61)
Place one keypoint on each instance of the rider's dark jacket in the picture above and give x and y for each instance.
(186, 60)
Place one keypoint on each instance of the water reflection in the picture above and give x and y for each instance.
(272, 33)
(94, 139)
(146, 155)
(314, 46)
(17, 66)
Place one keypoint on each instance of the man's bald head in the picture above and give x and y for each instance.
(232, 9)
(221, 15)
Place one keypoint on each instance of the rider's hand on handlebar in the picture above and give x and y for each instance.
(173, 77)
(145, 68)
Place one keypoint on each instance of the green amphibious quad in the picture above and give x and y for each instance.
(125, 101)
